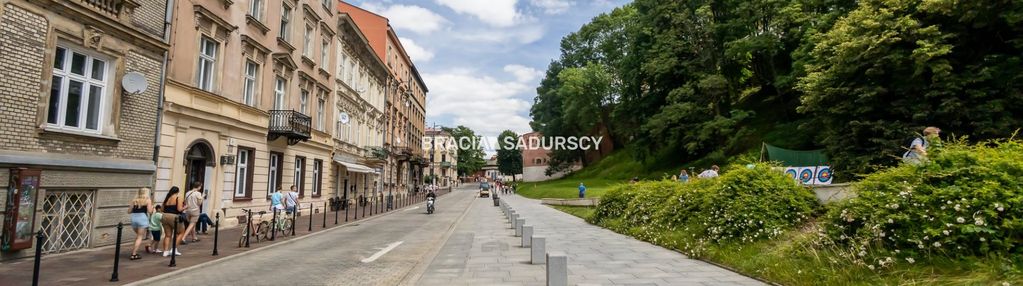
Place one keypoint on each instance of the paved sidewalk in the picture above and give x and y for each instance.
(483, 250)
(94, 266)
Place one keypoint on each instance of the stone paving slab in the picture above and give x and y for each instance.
(484, 250)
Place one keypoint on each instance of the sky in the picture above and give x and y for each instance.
(483, 59)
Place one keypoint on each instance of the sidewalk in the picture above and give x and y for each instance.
(94, 266)
(483, 250)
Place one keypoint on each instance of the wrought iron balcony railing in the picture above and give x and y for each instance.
(290, 124)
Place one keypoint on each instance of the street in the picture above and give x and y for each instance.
(381, 251)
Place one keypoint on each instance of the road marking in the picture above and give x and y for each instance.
(382, 252)
(412, 208)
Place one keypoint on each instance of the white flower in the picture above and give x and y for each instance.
(946, 232)
(894, 206)
(871, 267)
(948, 202)
(960, 220)
(937, 244)
(956, 207)
(978, 222)
(983, 239)
(891, 221)
(862, 253)
(910, 260)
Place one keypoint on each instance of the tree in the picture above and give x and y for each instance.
(470, 151)
(509, 157)
(892, 67)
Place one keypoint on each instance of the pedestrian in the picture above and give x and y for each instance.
(173, 205)
(291, 200)
(709, 173)
(683, 176)
(141, 207)
(275, 200)
(193, 208)
(204, 223)
(582, 191)
(155, 227)
(917, 151)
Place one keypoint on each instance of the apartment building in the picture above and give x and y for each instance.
(442, 152)
(405, 109)
(77, 142)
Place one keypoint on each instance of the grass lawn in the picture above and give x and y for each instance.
(581, 212)
(565, 188)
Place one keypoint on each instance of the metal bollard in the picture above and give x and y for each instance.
(294, 220)
(117, 252)
(527, 235)
(335, 213)
(324, 214)
(557, 269)
(216, 234)
(174, 243)
(273, 226)
(536, 250)
(39, 256)
(347, 206)
(518, 226)
(310, 217)
(248, 228)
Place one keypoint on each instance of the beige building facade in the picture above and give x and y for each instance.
(441, 150)
(76, 143)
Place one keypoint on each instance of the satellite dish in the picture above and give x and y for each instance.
(134, 83)
(343, 118)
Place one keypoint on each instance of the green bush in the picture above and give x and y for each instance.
(966, 201)
(744, 204)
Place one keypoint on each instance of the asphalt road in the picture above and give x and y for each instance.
(387, 250)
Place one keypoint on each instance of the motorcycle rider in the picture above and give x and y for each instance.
(431, 195)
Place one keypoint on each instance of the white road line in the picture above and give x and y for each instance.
(412, 208)
(382, 252)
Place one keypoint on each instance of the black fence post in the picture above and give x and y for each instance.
(363, 199)
(273, 226)
(324, 215)
(174, 243)
(294, 220)
(310, 217)
(347, 206)
(216, 234)
(248, 228)
(39, 256)
(117, 252)
(338, 208)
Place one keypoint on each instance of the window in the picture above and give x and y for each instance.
(326, 4)
(243, 173)
(285, 22)
(443, 157)
(77, 91)
(207, 63)
(317, 176)
(342, 62)
(351, 72)
(320, 104)
(275, 173)
(307, 42)
(279, 94)
(256, 9)
(300, 175)
(251, 75)
(324, 48)
(304, 104)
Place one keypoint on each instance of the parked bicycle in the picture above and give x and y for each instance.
(256, 230)
(282, 225)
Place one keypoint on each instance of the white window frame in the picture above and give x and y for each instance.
(280, 93)
(88, 82)
(321, 104)
(303, 106)
(285, 26)
(242, 167)
(275, 166)
(250, 87)
(256, 9)
(299, 179)
(324, 49)
(315, 192)
(205, 78)
(307, 41)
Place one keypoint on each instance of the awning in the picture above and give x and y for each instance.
(356, 168)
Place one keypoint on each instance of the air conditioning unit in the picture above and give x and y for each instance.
(227, 159)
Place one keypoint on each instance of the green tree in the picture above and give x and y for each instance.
(470, 151)
(891, 67)
(509, 157)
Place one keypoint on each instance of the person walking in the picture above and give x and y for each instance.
(582, 191)
(917, 151)
(173, 204)
(683, 176)
(276, 203)
(709, 173)
(193, 208)
(155, 228)
(291, 200)
(141, 207)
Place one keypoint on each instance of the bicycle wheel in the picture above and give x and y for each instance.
(263, 231)
(286, 225)
(241, 239)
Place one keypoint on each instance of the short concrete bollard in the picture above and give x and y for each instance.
(514, 218)
(527, 235)
(536, 250)
(518, 226)
(557, 269)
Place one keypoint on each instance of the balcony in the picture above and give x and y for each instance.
(290, 124)
(445, 164)
(116, 8)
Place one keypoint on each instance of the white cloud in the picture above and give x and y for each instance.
(523, 73)
(409, 17)
(415, 51)
(527, 34)
(499, 13)
(481, 102)
(552, 7)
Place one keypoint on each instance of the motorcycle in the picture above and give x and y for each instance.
(429, 205)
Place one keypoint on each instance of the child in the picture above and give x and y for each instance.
(155, 227)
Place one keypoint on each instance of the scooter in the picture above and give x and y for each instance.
(429, 205)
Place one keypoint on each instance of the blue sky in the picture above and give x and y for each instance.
(483, 59)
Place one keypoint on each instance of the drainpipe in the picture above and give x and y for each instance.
(163, 78)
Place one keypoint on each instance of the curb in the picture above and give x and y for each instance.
(412, 277)
(257, 250)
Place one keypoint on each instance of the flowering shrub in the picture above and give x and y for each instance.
(745, 204)
(966, 201)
